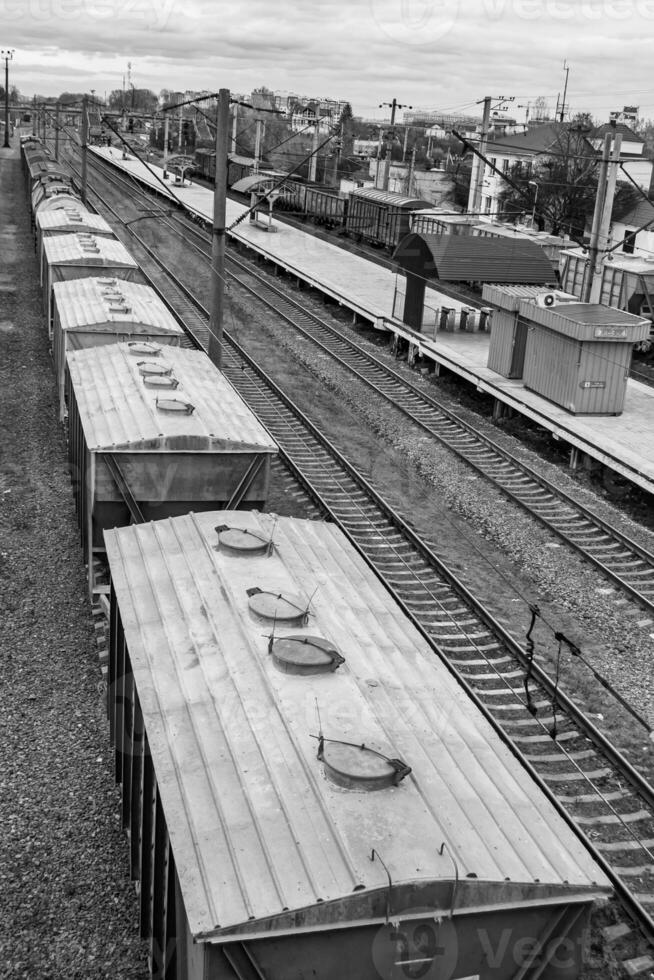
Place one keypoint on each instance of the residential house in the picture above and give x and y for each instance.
(628, 228)
(530, 148)
(633, 162)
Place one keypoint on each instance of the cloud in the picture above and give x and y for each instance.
(438, 53)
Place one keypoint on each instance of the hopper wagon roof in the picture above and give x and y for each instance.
(119, 412)
(83, 248)
(83, 303)
(257, 829)
(72, 219)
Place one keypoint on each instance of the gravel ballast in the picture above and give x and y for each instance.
(67, 906)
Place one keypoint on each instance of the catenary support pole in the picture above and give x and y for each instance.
(85, 147)
(218, 232)
(593, 247)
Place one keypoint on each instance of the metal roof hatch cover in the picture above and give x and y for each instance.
(279, 606)
(304, 654)
(355, 766)
(242, 541)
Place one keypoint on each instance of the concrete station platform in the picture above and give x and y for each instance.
(624, 443)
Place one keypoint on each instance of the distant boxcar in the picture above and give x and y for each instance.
(381, 217)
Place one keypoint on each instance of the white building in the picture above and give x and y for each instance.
(634, 163)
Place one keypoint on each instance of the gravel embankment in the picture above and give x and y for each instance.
(67, 907)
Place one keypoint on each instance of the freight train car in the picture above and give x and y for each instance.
(627, 281)
(438, 221)
(552, 245)
(157, 431)
(308, 791)
(380, 217)
(98, 311)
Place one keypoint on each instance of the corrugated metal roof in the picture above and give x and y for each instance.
(508, 297)
(83, 303)
(388, 197)
(588, 321)
(255, 826)
(246, 184)
(72, 219)
(86, 250)
(466, 258)
(235, 158)
(57, 201)
(119, 413)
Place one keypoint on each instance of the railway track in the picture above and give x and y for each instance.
(589, 781)
(628, 566)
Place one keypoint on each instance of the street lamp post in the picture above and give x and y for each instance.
(532, 183)
(7, 55)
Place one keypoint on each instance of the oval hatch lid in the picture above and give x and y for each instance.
(358, 767)
(305, 654)
(171, 404)
(160, 381)
(152, 367)
(281, 607)
(241, 541)
(142, 347)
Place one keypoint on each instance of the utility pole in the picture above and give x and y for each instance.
(179, 129)
(406, 140)
(234, 127)
(389, 143)
(34, 129)
(165, 146)
(257, 145)
(412, 167)
(313, 163)
(602, 216)
(478, 165)
(565, 90)
(379, 143)
(56, 146)
(218, 232)
(85, 143)
(7, 55)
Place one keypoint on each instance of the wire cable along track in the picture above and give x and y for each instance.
(598, 791)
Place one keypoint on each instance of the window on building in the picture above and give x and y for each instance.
(629, 242)
(488, 205)
(506, 166)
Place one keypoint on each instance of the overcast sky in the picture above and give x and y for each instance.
(436, 54)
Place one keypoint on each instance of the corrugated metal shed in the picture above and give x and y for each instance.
(388, 197)
(119, 413)
(588, 321)
(474, 259)
(509, 297)
(257, 830)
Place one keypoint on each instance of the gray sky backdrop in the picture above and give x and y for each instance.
(437, 54)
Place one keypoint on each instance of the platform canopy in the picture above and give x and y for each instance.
(253, 183)
(459, 258)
